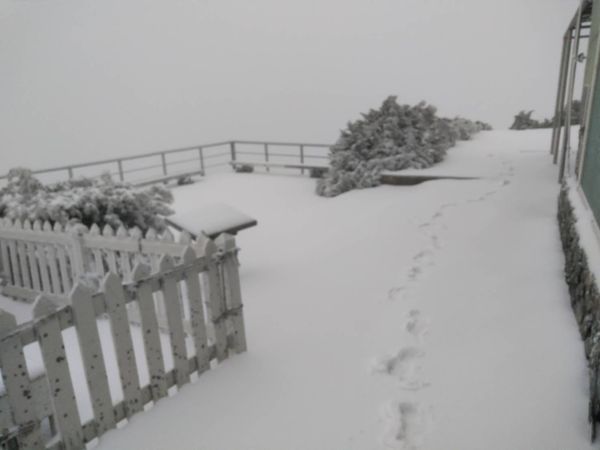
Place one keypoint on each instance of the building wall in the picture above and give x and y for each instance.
(590, 176)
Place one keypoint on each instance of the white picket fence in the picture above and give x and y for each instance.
(196, 282)
(38, 257)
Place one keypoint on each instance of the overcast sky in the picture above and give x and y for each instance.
(89, 79)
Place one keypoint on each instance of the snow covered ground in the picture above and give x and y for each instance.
(427, 317)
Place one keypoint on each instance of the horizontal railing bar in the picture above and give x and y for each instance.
(284, 144)
(181, 161)
(316, 156)
(208, 166)
(139, 169)
(218, 155)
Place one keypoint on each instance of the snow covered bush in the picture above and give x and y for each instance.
(393, 137)
(85, 200)
(524, 121)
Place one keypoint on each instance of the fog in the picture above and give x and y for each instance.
(88, 79)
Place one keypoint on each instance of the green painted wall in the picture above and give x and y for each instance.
(590, 177)
(592, 44)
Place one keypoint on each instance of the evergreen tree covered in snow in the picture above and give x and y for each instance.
(85, 200)
(393, 137)
(524, 121)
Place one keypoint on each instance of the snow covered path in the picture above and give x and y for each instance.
(429, 317)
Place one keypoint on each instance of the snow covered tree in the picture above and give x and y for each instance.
(85, 200)
(393, 137)
(524, 121)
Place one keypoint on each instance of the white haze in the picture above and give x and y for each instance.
(89, 79)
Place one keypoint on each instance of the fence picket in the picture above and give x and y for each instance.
(41, 253)
(115, 302)
(52, 262)
(23, 264)
(124, 261)
(17, 385)
(86, 326)
(111, 258)
(197, 318)
(97, 253)
(51, 343)
(16, 271)
(6, 268)
(64, 269)
(33, 266)
(151, 333)
(175, 321)
(233, 291)
(216, 300)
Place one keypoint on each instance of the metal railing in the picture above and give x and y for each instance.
(197, 159)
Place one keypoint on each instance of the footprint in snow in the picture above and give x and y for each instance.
(404, 366)
(416, 324)
(394, 293)
(407, 425)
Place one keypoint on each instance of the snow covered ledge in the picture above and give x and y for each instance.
(581, 244)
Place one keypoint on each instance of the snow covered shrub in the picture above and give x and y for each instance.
(101, 201)
(393, 137)
(524, 121)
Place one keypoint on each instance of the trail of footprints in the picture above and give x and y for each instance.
(409, 422)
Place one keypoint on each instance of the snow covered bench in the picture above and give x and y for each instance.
(168, 178)
(211, 220)
(302, 166)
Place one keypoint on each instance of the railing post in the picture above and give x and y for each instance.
(267, 156)
(233, 155)
(70, 170)
(121, 174)
(302, 158)
(201, 156)
(164, 163)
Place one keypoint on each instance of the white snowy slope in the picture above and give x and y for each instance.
(429, 317)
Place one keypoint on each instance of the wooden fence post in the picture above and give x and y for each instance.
(17, 385)
(233, 292)
(216, 299)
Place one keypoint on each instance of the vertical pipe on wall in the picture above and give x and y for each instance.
(566, 147)
(586, 120)
(560, 94)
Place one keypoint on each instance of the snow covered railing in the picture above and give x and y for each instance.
(41, 407)
(161, 166)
